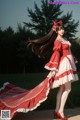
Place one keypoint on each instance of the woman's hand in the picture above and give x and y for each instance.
(52, 74)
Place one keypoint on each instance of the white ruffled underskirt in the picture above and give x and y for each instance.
(64, 67)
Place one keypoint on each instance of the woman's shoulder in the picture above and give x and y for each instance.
(62, 42)
(57, 41)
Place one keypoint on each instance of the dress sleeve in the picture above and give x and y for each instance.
(55, 58)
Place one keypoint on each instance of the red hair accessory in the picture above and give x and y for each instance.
(56, 24)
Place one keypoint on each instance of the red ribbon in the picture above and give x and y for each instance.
(56, 24)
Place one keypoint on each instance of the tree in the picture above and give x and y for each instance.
(42, 19)
(23, 55)
(70, 26)
(6, 49)
(1, 33)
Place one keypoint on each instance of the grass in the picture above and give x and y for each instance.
(29, 81)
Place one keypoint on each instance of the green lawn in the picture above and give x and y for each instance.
(29, 81)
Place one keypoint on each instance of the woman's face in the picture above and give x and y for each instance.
(61, 32)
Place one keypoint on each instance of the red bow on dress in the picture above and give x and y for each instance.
(56, 24)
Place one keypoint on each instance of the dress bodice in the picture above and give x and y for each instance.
(61, 49)
(65, 47)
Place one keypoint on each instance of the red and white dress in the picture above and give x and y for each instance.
(63, 62)
(17, 99)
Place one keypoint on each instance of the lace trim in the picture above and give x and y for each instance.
(65, 42)
(46, 67)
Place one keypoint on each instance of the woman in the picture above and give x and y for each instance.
(62, 74)
(61, 65)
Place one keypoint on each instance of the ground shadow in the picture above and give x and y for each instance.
(46, 115)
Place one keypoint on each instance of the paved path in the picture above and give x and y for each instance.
(72, 114)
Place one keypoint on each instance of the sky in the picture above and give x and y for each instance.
(13, 12)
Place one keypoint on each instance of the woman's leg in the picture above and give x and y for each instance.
(64, 97)
(58, 99)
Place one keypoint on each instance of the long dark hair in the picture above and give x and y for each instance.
(43, 45)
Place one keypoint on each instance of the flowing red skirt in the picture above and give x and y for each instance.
(17, 99)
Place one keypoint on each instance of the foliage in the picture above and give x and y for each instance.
(70, 26)
(42, 18)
